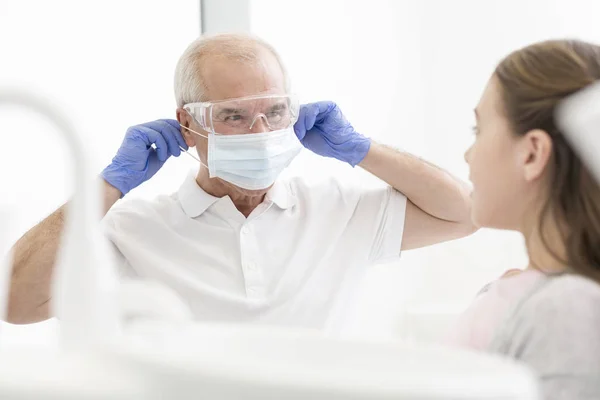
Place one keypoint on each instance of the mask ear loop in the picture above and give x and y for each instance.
(187, 152)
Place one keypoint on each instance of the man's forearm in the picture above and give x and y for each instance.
(430, 188)
(34, 259)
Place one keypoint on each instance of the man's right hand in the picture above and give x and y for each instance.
(136, 160)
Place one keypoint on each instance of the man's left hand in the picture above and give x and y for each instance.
(323, 129)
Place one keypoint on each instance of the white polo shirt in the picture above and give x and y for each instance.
(297, 260)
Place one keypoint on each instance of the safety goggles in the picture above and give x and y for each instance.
(238, 116)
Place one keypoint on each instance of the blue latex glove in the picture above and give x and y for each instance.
(136, 161)
(323, 129)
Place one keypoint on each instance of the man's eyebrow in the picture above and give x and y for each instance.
(229, 111)
(278, 106)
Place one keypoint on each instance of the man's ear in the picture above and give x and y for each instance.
(185, 120)
(536, 150)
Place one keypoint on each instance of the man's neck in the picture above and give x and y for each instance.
(244, 203)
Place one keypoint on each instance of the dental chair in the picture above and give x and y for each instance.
(113, 346)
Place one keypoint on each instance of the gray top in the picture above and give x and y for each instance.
(555, 329)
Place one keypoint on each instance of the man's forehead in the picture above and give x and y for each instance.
(226, 78)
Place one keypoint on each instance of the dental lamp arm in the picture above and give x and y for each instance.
(85, 281)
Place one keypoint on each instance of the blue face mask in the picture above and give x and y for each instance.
(251, 161)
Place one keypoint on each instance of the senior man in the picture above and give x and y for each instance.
(234, 242)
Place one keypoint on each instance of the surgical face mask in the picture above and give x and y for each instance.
(251, 161)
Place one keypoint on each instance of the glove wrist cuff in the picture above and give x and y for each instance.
(359, 152)
(123, 179)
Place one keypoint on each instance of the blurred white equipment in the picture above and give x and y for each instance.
(244, 362)
(578, 117)
(161, 354)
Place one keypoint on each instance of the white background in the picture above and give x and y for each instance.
(407, 73)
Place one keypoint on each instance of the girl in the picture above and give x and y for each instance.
(527, 178)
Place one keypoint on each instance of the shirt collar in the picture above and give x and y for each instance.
(195, 201)
(282, 195)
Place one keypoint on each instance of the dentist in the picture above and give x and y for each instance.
(234, 242)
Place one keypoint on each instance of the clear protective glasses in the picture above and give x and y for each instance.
(241, 115)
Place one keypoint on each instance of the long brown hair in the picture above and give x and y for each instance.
(533, 81)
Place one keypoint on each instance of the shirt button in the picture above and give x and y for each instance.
(245, 230)
(251, 291)
(251, 266)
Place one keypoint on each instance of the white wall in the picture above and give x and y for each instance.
(409, 73)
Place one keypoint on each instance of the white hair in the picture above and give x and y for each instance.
(189, 85)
